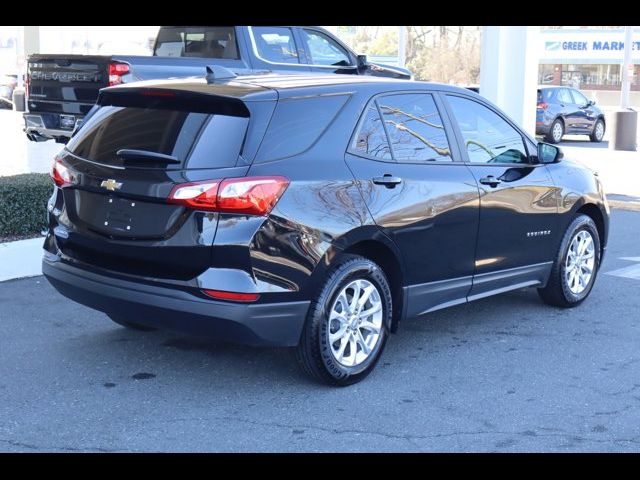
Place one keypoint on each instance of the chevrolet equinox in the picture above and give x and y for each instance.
(314, 212)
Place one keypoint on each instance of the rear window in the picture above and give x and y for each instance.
(206, 42)
(297, 124)
(544, 94)
(197, 140)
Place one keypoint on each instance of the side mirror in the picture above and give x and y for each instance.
(548, 153)
(361, 63)
(591, 102)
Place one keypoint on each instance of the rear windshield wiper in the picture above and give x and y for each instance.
(144, 155)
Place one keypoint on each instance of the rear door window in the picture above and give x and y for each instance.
(205, 42)
(275, 44)
(416, 131)
(371, 139)
(564, 96)
(197, 140)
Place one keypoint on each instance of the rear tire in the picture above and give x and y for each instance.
(556, 132)
(598, 131)
(342, 342)
(130, 325)
(569, 283)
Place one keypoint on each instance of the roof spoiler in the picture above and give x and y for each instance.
(216, 72)
(172, 99)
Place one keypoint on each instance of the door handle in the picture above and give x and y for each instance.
(491, 180)
(387, 180)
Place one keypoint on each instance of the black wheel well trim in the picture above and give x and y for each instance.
(371, 243)
(593, 211)
(385, 256)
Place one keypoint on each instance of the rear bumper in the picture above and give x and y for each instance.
(274, 324)
(40, 126)
(542, 129)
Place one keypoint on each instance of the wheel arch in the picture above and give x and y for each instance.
(371, 243)
(592, 211)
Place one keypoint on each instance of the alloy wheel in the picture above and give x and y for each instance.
(599, 131)
(557, 132)
(580, 262)
(355, 322)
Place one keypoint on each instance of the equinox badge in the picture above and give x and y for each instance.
(111, 185)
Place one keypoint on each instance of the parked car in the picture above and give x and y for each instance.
(564, 110)
(315, 212)
(63, 88)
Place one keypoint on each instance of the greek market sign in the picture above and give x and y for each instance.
(588, 46)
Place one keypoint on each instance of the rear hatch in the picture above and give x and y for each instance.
(126, 159)
(65, 85)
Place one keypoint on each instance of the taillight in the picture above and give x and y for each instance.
(60, 174)
(116, 71)
(543, 105)
(247, 195)
(233, 296)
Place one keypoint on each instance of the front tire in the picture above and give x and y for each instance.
(556, 132)
(576, 266)
(347, 324)
(130, 325)
(598, 131)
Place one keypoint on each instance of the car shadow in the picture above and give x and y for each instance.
(201, 363)
(584, 144)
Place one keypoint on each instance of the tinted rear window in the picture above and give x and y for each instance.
(296, 125)
(197, 140)
(206, 42)
(544, 94)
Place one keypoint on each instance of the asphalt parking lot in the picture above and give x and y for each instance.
(506, 373)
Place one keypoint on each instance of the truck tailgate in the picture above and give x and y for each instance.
(67, 84)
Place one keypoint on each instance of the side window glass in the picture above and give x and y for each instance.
(275, 44)
(371, 139)
(564, 96)
(488, 137)
(578, 98)
(324, 50)
(416, 131)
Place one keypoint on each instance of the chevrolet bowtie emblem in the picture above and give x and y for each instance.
(111, 184)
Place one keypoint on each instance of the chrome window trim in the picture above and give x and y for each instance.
(254, 46)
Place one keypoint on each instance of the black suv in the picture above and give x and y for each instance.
(315, 212)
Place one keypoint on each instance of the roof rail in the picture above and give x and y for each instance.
(216, 72)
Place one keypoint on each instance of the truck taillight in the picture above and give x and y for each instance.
(116, 72)
(60, 174)
(246, 195)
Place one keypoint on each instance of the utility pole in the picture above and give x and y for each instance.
(402, 46)
(624, 124)
(627, 67)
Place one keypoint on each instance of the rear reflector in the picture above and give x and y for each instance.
(245, 195)
(236, 297)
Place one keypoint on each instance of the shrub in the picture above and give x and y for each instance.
(23, 203)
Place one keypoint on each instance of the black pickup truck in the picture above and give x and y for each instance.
(61, 89)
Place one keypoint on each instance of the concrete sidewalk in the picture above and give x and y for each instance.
(21, 259)
(618, 170)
